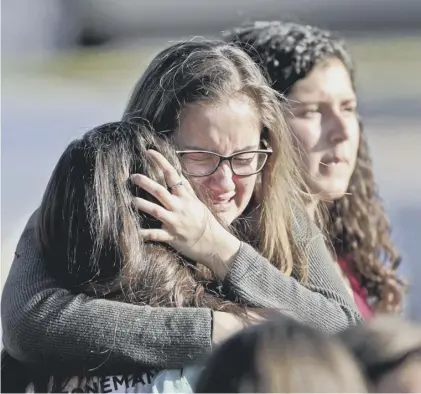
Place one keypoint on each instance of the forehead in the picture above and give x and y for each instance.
(224, 127)
(328, 80)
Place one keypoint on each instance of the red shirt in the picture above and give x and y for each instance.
(360, 293)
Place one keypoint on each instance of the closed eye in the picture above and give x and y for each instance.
(310, 113)
(244, 160)
(245, 157)
(350, 108)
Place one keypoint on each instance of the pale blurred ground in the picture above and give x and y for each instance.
(48, 98)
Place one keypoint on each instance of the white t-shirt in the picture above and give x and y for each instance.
(166, 381)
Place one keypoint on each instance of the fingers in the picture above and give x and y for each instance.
(152, 209)
(187, 185)
(156, 235)
(155, 189)
(172, 177)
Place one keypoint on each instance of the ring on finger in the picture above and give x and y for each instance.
(177, 185)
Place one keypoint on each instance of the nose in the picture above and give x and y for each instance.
(337, 126)
(223, 178)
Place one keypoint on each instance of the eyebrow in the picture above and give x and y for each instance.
(314, 102)
(246, 148)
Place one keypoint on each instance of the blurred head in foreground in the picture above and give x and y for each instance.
(389, 351)
(281, 356)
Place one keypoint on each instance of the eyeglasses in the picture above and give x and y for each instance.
(204, 163)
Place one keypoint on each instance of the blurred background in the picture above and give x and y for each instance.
(69, 65)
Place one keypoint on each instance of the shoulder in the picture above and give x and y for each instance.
(32, 221)
(303, 228)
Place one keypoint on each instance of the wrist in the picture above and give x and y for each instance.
(226, 251)
(224, 325)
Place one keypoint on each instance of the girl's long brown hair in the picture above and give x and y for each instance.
(359, 229)
(90, 231)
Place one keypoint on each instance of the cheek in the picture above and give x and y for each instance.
(244, 187)
(355, 139)
(354, 142)
(306, 132)
(199, 183)
(307, 135)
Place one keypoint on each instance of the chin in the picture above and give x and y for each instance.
(227, 217)
(333, 196)
(332, 192)
(230, 216)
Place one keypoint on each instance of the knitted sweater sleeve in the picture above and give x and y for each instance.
(49, 326)
(323, 302)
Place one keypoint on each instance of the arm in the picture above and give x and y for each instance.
(48, 325)
(324, 302)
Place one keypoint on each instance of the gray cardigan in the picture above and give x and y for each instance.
(46, 324)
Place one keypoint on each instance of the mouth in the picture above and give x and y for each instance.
(332, 161)
(221, 202)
